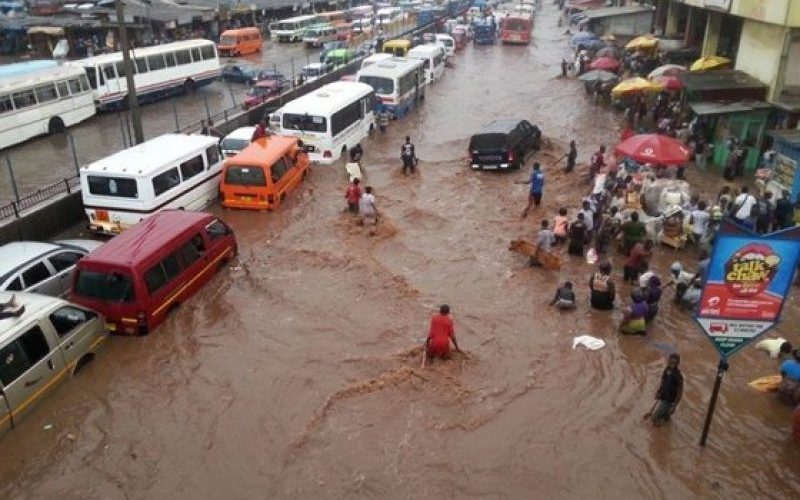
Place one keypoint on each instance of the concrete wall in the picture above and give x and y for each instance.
(44, 222)
(760, 50)
(768, 11)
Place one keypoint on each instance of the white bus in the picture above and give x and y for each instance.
(319, 34)
(169, 171)
(292, 29)
(329, 120)
(374, 58)
(389, 17)
(43, 101)
(159, 71)
(399, 83)
(433, 55)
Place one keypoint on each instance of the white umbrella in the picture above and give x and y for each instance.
(668, 70)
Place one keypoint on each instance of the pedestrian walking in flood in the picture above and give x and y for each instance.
(367, 207)
(409, 156)
(441, 333)
(602, 288)
(356, 152)
(572, 157)
(353, 195)
(537, 188)
(596, 164)
(669, 392)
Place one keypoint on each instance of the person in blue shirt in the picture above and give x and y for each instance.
(791, 367)
(537, 188)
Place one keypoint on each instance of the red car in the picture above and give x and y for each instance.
(262, 92)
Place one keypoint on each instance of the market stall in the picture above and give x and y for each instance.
(785, 173)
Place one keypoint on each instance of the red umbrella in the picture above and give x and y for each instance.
(654, 149)
(605, 63)
(669, 82)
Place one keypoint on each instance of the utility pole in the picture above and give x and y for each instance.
(133, 102)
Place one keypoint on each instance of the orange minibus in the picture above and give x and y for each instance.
(263, 173)
(239, 42)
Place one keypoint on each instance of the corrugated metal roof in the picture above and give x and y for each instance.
(618, 11)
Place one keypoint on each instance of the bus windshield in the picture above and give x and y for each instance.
(237, 175)
(383, 86)
(305, 123)
(104, 286)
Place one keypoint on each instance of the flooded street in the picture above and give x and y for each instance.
(296, 373)
(45, 160)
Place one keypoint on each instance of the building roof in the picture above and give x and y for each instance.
(720, 108)
(151, 155)
(34, 304)
(725, 79)
(135, 245)
(618, 11)
(791, 137)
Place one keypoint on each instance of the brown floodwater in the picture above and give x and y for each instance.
(296, 373)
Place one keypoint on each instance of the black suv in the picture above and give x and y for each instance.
(503, 144)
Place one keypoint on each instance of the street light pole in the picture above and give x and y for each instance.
(133, 102)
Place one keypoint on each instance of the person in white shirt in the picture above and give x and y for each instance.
(367, 208)
(699, 219)
(743, 207)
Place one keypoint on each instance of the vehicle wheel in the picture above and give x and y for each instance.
(82, 362)
(56, 125)
(189, 86)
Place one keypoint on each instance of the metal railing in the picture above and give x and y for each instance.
(14, 208)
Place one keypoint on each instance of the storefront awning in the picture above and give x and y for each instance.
(790, 137)
(705, 108)
(46, 30)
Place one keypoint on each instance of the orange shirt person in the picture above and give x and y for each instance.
(441, 333)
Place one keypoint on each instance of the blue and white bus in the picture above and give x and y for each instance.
(159, 71)
(399, 83)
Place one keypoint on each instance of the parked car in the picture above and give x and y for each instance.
(240, 72)
(46, 268)
(270, 75)
(45, 338)
(236, 141)
(339, 57)
(261, 92)
(329, 47)
(503, 144)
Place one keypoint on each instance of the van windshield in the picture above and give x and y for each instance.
(237, 175)
(113, 287)
(228, 41)
(383, 86)
(488, 141)
(232, 144)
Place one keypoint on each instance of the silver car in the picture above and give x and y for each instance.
(46, 268)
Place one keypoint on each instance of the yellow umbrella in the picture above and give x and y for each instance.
(642, 42)
(636, 84)
(709, 62)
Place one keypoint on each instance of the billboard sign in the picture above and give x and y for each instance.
(748, 279)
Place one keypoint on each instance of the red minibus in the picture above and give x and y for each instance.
(138, 277)
(515, 29)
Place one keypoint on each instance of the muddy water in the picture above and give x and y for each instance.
(296, 373)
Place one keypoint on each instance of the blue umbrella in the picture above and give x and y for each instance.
(583, 37)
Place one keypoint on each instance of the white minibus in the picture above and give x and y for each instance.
(433, 55)
(292, 29)
(159, 71)
(374, 58)
(169, 171)
(43, 101)
(319, 34)
(389, 17)
(398, 82)
(329, 120)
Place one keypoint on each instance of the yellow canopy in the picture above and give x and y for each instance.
(637, 84)
(642, 42)
(709, 62)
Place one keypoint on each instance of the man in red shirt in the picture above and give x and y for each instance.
(597, 163)
(352, 195)
(441, 333)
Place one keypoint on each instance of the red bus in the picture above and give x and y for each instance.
(515, 29)
(140, 276)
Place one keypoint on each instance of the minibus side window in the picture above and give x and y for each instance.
(279, 169)
(34, 345)
(12, 363)
(69, 318)
(212, 154)
(166, 181)
(192, 167)
(171, 265)
(154, 278)
(192, 250)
